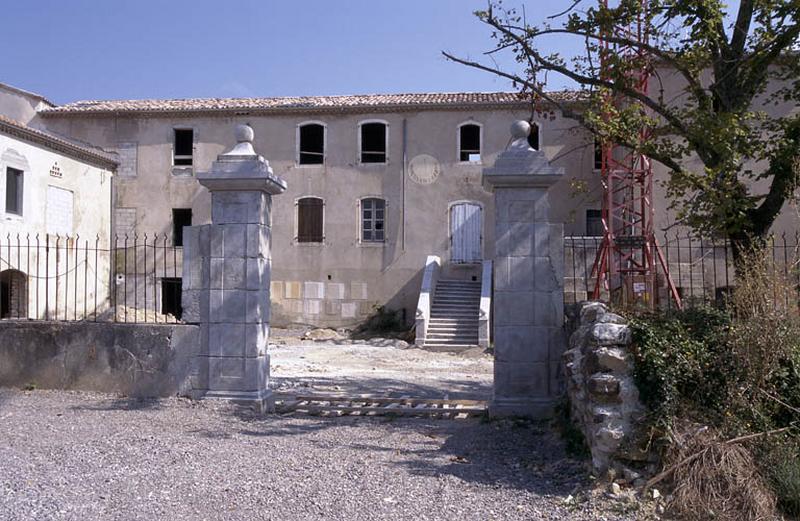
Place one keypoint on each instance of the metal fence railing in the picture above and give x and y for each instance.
(127, 279)
(702, 268)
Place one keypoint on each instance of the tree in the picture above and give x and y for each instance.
(731, 65)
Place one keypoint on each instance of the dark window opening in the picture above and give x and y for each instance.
(470, 143)
(533, 137)
(184, 147)
(373, 220)
(309, 220)
(180, 217)
(13, 191)
(373, 143)
(171, 288)
(598, 155)
(594, 223)
(5, 299)
(312, 144)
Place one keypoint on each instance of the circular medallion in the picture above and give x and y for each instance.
(424, 169)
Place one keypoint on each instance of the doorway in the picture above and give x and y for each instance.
(466, 225)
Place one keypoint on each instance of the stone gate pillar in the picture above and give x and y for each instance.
(528, 281)
(226, 276)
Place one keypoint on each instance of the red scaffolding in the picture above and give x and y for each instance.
(625, 265)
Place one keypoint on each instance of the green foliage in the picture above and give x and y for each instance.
(382, 320)
(681, 360)
(716, 69)
(781, 463)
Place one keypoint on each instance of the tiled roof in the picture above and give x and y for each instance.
(355, 103)
(70, 148)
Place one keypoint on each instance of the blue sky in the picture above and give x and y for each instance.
(85, 49)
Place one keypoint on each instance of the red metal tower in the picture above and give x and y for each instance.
(625, 264)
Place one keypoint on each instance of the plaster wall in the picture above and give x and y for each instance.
(89, 188)
(342, 280)
(19, 106)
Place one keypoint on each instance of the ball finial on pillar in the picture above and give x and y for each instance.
(520, 129)
(244, 134)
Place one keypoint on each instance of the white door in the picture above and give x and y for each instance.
(465, 232)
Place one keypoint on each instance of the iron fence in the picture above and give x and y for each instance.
(133, 278)
(701, 268)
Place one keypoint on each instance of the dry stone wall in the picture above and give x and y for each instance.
(604, 401)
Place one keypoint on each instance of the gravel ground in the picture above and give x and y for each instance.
(69, 455)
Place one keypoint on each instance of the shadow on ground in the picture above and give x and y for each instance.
(454, 389)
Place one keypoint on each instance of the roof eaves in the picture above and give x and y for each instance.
(24, 132)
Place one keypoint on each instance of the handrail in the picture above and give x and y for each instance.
(430, 277)
(485, 313)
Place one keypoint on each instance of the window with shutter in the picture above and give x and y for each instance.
(373, 220)
(309, 219)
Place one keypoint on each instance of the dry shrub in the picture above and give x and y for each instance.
(764, 289)
(718, 480)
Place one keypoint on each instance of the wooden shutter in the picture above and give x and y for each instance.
(309, 220)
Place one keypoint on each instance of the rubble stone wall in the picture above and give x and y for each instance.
(604, 400)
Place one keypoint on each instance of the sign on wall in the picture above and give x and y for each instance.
(60, 207)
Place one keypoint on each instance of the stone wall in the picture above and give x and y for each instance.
(604, 400)
(142, 360)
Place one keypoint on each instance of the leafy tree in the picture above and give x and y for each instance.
(733, 64)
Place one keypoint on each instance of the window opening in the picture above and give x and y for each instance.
(184, 147)
(373, 219)
(180, 217)
(594, 223)
(373, 143)
(312, 144)
(533, 137)
(309, 220)
(598, 155)
(470, 143)
(171, 288)
(13, 191)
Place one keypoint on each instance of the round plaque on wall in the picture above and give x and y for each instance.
(424, 169)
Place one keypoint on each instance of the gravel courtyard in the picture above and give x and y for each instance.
(70, 455)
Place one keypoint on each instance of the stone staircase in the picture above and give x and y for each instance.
(454, 315)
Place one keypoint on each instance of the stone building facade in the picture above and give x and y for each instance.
(376, 184)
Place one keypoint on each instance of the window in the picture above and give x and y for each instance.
(533, 137)
(184, 147)
(469, 142)
(311, 144)
(373, 219)
(13, 191)
(180, 217)
(171, 288)
(309, 220)
(594, 223)
(374, 137)
(598, 155)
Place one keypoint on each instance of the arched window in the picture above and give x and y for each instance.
(373, 220)
(469, 142)
(13, 294)
(311, 144)
(373, 139)
(534, 136)
(309, 219)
